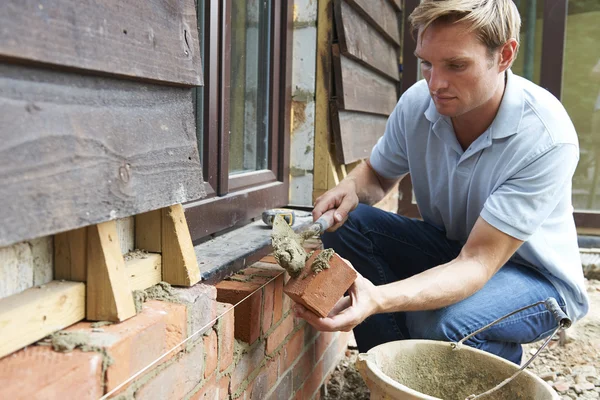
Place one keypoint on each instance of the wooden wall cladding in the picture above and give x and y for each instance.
(382, 15)
(79, 150)
(148, 39)
(360, 89)
(360, 41)
(365, 74)
(359, 133)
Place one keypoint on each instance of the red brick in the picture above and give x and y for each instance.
(267, 314)
(268, 265)
(208, 391)
(269, 259)
(278, 299)
(254, 270)
(138, 341)
(292, 350)
(265, 380)
(247, 364)
(248, 312)
(176, 380)
(320, 292)
(278, 335)
(322, 343)
(37, 372)
(283, 388)
(303, 367)
(211, 352)
(313, 383)
(224, 384)
(225, 335)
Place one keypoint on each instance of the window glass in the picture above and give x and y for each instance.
(249, 95)
(528, 59)
(581, 97)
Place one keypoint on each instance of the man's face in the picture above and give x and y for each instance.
(457, 67)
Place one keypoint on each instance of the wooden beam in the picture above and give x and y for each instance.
(144, 271)
(360, 89)
(363, 43)
(382, 15)
(70, 261)
(322, 162)
(34, 313)
(109, 296)
(148, 231)
(179, 264)
(148, 39)
(104, 149)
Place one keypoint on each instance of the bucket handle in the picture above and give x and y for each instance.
(562, 320)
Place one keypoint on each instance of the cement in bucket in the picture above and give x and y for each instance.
(425, 369)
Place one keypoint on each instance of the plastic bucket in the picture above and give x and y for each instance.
(426, 369)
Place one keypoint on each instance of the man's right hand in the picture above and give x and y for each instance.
(343, 198)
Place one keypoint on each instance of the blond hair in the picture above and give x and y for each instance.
(494, 22)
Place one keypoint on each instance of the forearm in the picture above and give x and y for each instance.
(369, 187)
(435, 288)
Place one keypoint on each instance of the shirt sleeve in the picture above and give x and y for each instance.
(388, 157)
(520, 205)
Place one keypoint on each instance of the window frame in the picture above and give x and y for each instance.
(236, 199)
(551, 74)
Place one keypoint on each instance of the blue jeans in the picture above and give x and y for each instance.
(386, 247)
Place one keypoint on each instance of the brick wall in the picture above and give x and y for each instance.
(257, 350)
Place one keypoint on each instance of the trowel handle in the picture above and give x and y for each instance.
(324, 222)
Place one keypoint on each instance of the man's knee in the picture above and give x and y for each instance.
(442, 324)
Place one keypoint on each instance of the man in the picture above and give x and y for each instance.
(491, 157)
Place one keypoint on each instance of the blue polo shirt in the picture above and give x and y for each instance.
(516, 176)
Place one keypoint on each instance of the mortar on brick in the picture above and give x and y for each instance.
(65, 342)
(161, 291)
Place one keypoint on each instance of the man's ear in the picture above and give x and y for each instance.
(508, 52)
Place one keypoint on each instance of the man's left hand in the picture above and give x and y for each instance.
(348, 312)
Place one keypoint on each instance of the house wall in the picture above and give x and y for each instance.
(303, 102)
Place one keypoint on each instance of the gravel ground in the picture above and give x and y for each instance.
(572, 370)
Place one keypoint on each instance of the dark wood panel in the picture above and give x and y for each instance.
(396, 3)
(80, 150)
(553, 46)
(410, 63)
(361, 42)
(381, 15)
(151, 39)
(360, 89)
(355, 134)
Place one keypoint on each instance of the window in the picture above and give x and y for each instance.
(242, 112)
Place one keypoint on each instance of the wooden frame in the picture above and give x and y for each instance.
(232, 200)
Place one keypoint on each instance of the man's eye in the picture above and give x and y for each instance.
(425, 64)
(457, 66)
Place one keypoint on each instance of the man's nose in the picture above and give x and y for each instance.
(437, 80)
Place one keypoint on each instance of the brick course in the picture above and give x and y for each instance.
(286, 359)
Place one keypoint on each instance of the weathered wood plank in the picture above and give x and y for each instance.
(80, 150)
(144, 271)
(109, 296)
(381, 15)
(70, 259)
(148, 231)
(397, 4)
(363, 43)
(360, 89)
(150, 39)
(179, 263)
(355, 134)
(30, 315)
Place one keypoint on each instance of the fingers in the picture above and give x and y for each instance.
(322, 204)
(341, 305)
(348, 203)
(345, 321)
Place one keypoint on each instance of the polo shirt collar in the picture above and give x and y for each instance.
(509, 115)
